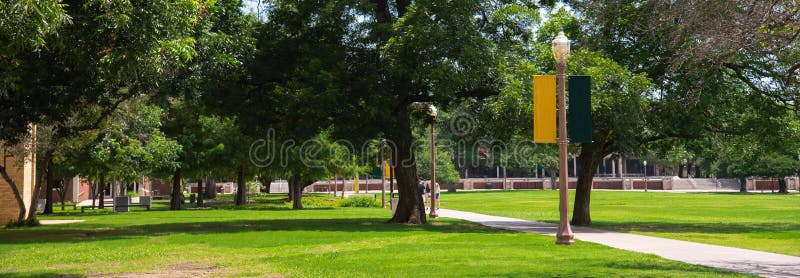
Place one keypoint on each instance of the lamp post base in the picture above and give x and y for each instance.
(564, 236)
(565, 239)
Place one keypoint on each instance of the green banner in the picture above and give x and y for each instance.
(579, 114)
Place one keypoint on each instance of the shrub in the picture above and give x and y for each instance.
(360, 202)
(23, 223)
(319, 201)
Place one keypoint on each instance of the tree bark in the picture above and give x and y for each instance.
(265, 182)
(48, 182)
(199, 193)
(589, 159)
(241, 188)
(742, 184)
(93, 190)
(410, 207)
(63, 193)
(782, 186)
(102, 193)
(552, 172)
(176, 196)
(296, 191)
(211, 189)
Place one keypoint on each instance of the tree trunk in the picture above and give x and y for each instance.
(296, 191)
(782, 186)
(93, 191)
(265, 182)
(241, 184)
(48, 183)
(680, 171)
(102, 193)
(742, 184)
(211, 189)
(63, 193)
(410, 207)
(589, 160)
(552, 172)
(177, 194)
(199, 193)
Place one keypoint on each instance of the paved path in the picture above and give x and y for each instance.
(57, 222)
(735, 259)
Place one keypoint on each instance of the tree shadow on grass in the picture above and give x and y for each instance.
(99, 232)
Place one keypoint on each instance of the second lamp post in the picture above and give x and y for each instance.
(561, 54)
(433, 113)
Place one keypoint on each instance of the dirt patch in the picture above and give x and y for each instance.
(182, 270)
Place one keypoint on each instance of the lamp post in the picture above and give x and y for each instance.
(433, 113)
(645, 176)
(383, 175)
(561, 54)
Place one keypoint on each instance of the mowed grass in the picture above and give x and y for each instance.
(768, 222)
(269, 240)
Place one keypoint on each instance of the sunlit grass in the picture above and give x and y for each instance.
(268, 239)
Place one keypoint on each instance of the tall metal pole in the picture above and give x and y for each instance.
(433, 171)
(564, 235)
(383, 181)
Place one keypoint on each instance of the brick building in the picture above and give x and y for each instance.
(19, 163)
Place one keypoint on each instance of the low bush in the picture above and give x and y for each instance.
(360, 202)
(23, 223)
(326, 201)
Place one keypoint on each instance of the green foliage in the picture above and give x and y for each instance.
(446, 172)
(26, 24)
(360, 202)
(320, 201)
(132, 144)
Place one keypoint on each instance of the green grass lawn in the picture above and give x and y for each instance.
(268, 239)
(768, 222)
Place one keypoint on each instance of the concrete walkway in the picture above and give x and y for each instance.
(735, 259)
(58, 222)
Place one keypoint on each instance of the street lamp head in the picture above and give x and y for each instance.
(561, 48)
(432, 111)
(645, 163)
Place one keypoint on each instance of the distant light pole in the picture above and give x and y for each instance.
(561, 54)
(433, 113)
(383, 175)
(645, 176)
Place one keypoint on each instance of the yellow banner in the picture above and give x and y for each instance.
(355, 184)
(387, 170)
(544, 108)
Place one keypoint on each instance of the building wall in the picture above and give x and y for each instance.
(9, 208)
(22, 171)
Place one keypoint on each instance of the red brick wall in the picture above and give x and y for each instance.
(767, 185)
(573, 184)
(9, 208)
(529, 185)
(164, 187)
(607, 185)
(651, 184)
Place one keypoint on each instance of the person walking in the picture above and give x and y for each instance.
(438, 200)
(422, 192)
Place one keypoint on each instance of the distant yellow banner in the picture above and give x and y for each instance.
(544, 108)
(387, 170)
